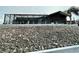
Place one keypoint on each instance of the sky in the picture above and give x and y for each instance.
(29, 10)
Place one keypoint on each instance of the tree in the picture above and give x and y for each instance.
(73, 9)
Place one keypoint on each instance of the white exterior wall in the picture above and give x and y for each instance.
(75, 17)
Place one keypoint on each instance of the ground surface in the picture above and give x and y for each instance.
(18, 39)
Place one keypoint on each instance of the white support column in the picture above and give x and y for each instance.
(28, 22)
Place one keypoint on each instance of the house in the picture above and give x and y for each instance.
(23, 18)
(57, 17)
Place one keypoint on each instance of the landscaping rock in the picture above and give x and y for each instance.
(35, 38)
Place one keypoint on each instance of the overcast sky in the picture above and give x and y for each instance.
(29, 9)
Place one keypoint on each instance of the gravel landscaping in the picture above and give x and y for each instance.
(22, 39)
